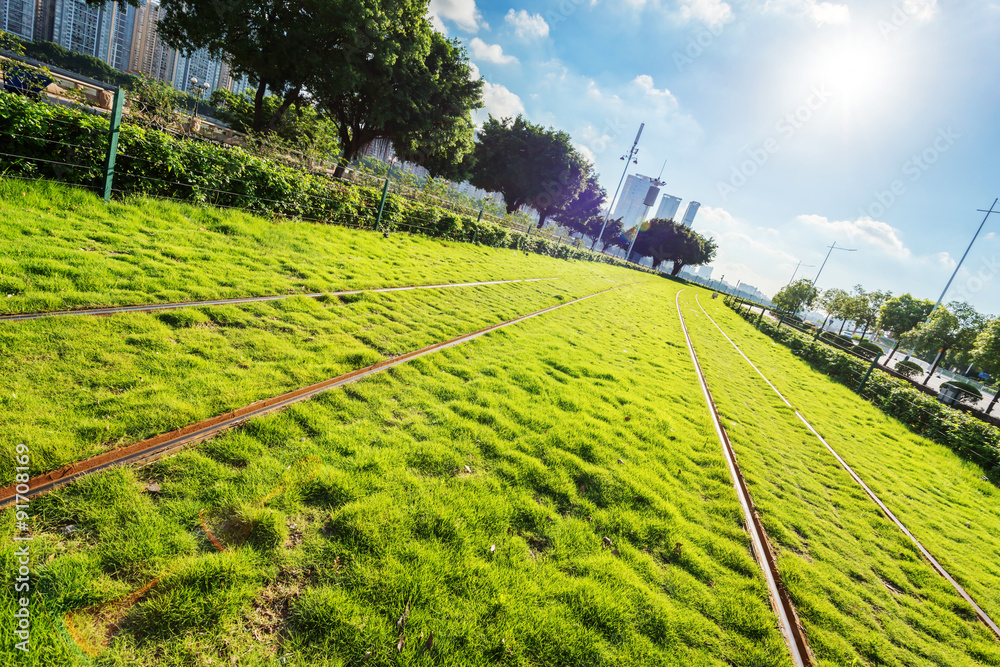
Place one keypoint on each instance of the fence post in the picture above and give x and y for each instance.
(864, 380)
(381, 206)
(759, 319)
(116, 124)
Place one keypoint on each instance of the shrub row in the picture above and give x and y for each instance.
(69, 145)
(962, 433)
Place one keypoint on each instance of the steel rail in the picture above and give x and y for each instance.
(112, 310)
(980, 613)
(788, 620)
(151, 449)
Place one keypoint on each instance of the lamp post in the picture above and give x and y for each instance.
(198, 91)
(628, 158)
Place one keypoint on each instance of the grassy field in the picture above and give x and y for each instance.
(864, 593)
(475, 487)
(62, 248)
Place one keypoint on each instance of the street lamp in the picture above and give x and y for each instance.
(628, 158)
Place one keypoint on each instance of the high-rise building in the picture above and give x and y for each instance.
(150, 56)
(631, 205)
(199, 65)
(18, 17)
(668, 207)
(692, 210)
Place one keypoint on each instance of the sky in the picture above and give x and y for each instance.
(796, 123)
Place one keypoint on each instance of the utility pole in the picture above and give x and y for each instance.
(986, 217)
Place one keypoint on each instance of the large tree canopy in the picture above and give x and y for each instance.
(952, 331)
(665, 240)
(576, 214)
(413, 87)
(528, 165)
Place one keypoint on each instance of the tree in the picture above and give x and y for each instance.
(528, 165)
(302, 128)
(986, 354)
(800, 294)
(900, 315)
(665, 240)
(949, 331)
(278, 44)
(835, 302)
(579, 213)
(413, 88)
(614, 233)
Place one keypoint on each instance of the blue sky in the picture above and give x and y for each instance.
(796, 123)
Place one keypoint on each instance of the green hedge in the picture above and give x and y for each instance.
(69, 145)
(967, 436)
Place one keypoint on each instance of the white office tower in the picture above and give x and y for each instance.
(692, 210)
(631, 205)
(668, 207)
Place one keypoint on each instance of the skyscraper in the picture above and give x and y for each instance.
(668, 207)
(631, 207)
(150, 56)
(18, 17)
(692, 210)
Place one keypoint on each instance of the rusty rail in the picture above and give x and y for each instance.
(788, 620)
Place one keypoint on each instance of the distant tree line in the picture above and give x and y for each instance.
(955, 334)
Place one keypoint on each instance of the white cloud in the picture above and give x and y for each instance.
(864, 231)
(463, 13)
(500, 102)
(821, 13)
(527, 26)
(645, 82)
(586, 152)
(712, 12)
(491, 53)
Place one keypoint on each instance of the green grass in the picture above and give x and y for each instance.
(582, 424)
(62, 248)
(77, 386)
(862, 589)
(931, 490)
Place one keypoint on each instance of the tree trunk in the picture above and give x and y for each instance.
(542, 217)
(677, 268)
(290, 99)
(864, 331)
(258, 108)
(893, 351)
(842, 325)
(937, 362)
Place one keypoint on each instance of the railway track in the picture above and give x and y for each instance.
(112, 310)
(980, 613)
(151, 449)
(788, 621)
